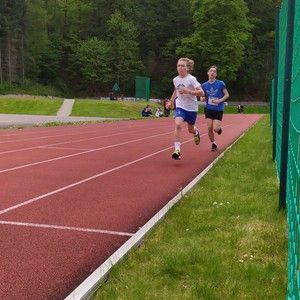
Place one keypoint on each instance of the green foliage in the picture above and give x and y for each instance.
(221, 32)
(50, 59)
(38, 40)
(124, 52)
(93, 58)
(28, 87)
(256, 71)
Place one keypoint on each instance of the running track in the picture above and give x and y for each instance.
(72, 195)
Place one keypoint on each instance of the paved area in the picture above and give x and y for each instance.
(63, 115)
(31, 120)
(66, 108)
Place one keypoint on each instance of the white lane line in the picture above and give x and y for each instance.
(67, 142)
(81, 182)
(77, 154)
(63, 148)
(74, 133)
(63, 143)
(25, 224)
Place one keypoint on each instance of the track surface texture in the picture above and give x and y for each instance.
(72, 195)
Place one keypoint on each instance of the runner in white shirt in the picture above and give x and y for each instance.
(186, 90)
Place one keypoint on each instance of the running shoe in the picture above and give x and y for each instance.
(197, 138)
(176, 155)
(214, 147)
(220, 131)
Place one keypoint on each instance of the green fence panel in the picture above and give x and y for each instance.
(293, 155)
(142, 88)
(280, 91)
(293, 178)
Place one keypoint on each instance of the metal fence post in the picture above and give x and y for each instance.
(286, 103)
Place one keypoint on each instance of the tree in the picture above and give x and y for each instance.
(11, 22)
(93, 58)
(125, 55)
(222, 31)
(256, 71)
(35, 38)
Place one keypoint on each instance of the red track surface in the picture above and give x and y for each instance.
(72, 195)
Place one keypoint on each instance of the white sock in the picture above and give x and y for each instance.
(177, 146)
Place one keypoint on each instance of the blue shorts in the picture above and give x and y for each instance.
(188, 116)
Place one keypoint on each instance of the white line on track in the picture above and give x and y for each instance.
(80, 153)
(25, 224)
(85, 180)
(66, 142)
(72, 133)
(63, 148)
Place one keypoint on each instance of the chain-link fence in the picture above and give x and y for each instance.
(285, 121)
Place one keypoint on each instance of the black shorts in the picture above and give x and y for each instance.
(213, 114)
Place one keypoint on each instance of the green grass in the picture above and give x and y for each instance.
(255, 109)
(111, 109)
(226, 239)
(30, 105)
(93, 108)
(121, 109)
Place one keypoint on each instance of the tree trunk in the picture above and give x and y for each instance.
(9, 58)
(22, 58)
(1, 78)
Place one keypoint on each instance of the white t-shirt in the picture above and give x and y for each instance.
(186, 101)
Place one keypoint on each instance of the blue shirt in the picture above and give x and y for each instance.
(214, 91)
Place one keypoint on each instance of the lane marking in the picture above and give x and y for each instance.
(67, 142)
(79, 182)
(63, 148)
(77, 154)
(87, 179)
(25, 224)
(72, 133)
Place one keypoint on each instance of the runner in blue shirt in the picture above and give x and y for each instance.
(215, 94)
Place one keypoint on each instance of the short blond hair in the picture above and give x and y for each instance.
(189, 62)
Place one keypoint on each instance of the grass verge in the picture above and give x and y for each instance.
(111, 109)
(35, 105)
(30, 106)
(226, 239)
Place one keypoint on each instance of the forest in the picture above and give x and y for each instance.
(83, 47)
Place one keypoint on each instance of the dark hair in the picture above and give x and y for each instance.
(213, 66)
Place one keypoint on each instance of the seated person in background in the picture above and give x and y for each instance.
(148, 110)
(145, 113)
(159, 112)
